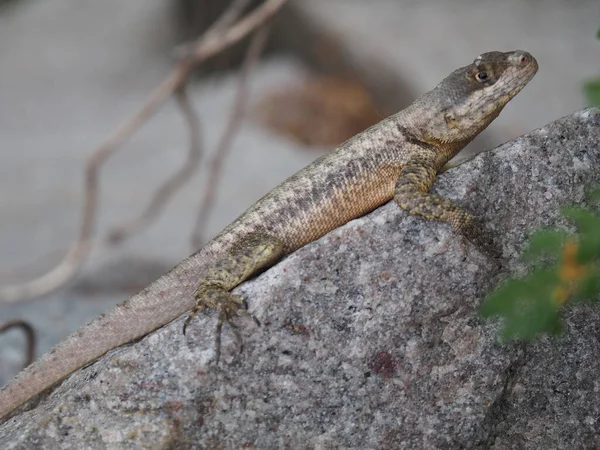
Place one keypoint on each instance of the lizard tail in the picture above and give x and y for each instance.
(163, 301)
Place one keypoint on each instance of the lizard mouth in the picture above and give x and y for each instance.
(525, 66)
(521, 68)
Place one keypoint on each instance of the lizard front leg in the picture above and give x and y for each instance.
(411, 194)
(254, 253)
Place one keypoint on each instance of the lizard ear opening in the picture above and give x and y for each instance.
(450, 119)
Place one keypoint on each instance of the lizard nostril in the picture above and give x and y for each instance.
(522, 58)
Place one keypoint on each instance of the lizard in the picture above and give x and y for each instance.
(397, 159)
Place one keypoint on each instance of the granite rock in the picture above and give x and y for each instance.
(370, 338)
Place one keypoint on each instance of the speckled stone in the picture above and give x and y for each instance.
(369, 339)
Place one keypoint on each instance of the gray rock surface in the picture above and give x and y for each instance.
(370, 339)
(73, 70)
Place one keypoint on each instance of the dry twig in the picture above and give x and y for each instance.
(206, 47)
(178, 179)
(29, 336)
(235, 118)
(174, 183)
(229, 16)
(31, 268)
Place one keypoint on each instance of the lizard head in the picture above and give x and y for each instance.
(471, 97)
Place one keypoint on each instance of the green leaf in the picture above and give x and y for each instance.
(589, 288)
(526, 306)
(544, 242)
(539, 319)
(598, 33)
(500, 301)
(592, 91)
(588, 224)
(589, 247)
(593, 195)
(586, 220)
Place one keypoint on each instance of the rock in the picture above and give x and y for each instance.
(370, 338)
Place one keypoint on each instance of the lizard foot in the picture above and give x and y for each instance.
(228, 305)
(473, 231)
(254, 253)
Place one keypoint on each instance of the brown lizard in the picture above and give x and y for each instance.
(398, 159)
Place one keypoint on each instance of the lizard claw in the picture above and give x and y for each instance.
(228, 305)
(196, 310)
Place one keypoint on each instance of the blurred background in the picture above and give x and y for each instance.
(72, 71)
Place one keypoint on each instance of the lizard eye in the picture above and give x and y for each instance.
(482, 77)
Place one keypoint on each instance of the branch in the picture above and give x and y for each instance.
(178, 180)
(174, 183)
(224, 146)
(32, 268)
(228, 18)
(29, 336)
(211, 46)
(206, 47)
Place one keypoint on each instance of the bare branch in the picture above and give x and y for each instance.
(29, 336)
(254, 50)
(179, 179)
(241, 29)
(207, 47)
(174, 183)
(32, 268)
(228, 18)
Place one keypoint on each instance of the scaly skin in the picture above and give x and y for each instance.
(398, 159)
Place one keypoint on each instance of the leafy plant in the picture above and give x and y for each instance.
(592, 87)
(565, 268)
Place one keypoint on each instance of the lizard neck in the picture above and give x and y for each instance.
(449, 149)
